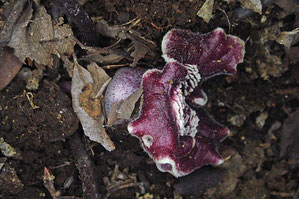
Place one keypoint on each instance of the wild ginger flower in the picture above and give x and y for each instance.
(173, 126)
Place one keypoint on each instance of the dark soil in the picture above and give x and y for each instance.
(262, 159)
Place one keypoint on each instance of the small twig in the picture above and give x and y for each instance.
(105, 50)
(114, 66)
(122, 186)
(282, 194)
(85, 167)
(111, 46)
(89, 49)
(129, 22)
(155, 26)
(133, 24)
(48, 179)
(288, 91)
(62, 165)
(94, 19)
(228, 21)
(29, 96)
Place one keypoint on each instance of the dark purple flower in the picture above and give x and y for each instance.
(174, 128)
(213, 53)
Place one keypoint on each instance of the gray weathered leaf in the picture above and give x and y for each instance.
(288, 38)
(93, 127)
(36, 38)
(123, 110)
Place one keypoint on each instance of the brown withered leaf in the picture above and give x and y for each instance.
(92, 106)
(37, 39)
(90, 117)
(103, 59)
(206, 10)
(62, 43)
(140, 45)
(140, 50)
(90, 98)
(100, 79)
(254, 5)
(123, 110)
(15, 11)
(127, 106)
(26, 37)
(9, 66)
(288, 38)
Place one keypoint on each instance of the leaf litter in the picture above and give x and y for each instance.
(123, 110)
(86, 92)
(9, 66)
(140, 45)
(268, 61)
(36, 38)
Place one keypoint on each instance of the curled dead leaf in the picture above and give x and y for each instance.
(9, 66)
(84, 104)
(288, 38)
(92, 106)
(123, 110)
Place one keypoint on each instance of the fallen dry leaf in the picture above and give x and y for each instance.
(288, 38)
(93, 127)
(140, 50)
(127, 106)
(37, 39)
(90, 98)
(15, 11)
(254, 5)
(9, 66)
(206, 10)
(27, 43)
(92, 106)
(62, 44)
(100, 79)
(123, 110)
(103, 59)
(140, 44)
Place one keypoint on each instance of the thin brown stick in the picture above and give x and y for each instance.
(122, 186)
